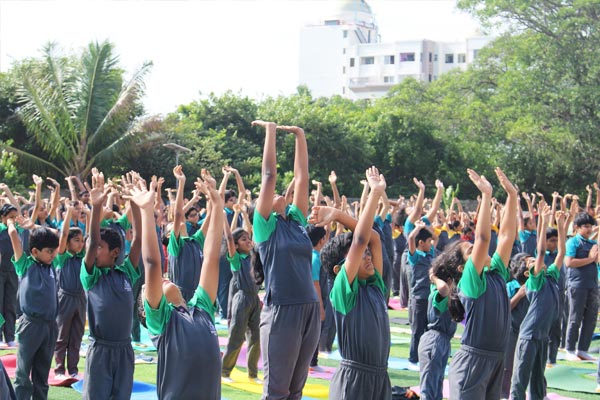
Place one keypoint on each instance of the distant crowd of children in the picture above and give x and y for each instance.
(114, 254)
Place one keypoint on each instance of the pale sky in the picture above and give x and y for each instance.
(203, 46)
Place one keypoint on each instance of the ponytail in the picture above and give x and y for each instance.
(455, 306)
(257, 267)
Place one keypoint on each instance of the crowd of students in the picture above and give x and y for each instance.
(115, 253)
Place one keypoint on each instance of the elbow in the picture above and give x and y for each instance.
(482, 236)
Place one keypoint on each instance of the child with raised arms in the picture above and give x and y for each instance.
(189, 360)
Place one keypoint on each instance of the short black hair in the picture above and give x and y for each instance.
(518, 267)
(189, 211)
(583, 218)
(229, 193)
(112, 238)
(73, 232)
(43, 238)
(422, 236)
(400, 218)
(6, 209)
(550, 233)
(315, 233)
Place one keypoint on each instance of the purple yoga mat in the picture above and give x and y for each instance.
(242, 361)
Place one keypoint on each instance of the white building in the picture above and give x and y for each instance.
(343, 55)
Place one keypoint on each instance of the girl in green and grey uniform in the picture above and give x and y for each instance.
(189, 360)
(542, 292)
(358, 298)
(476, 369)
(289, 326)
(71, 299)
(109, 361)
(245, 304)
(6, 390)
(434, 346)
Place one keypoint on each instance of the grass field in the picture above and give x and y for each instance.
(147, 372)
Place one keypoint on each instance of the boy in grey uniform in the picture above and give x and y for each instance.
(38, 301)
(109, 362)
(358, 298)
(9, 282)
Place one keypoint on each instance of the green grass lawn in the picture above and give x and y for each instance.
(147, 372)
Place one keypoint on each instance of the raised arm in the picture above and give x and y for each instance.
(546, 215)
(209, 277)
(508, 224)
(412, 241)
(562, 222)
(9, 195)
(37, 205)
(437, 200)
(64, 233)
(319, 193)
(240, 184)
(588, 201)
(223, 185)
(483, 228)
(178, 226)
(336, 194)
(14, 239)
(301, 177)
(417, 210)
(363, 197)
(229, 238)
(135, 251)
(97, 197)
(363, 232)
(264, 203)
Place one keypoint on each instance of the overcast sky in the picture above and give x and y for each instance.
(203, 46)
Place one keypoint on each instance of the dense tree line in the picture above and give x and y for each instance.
(529, 103)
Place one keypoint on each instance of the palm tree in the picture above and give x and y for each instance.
(79, 110)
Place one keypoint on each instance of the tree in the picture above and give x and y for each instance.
(78, 110)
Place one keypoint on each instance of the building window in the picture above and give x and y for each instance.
(351, 62)
(449, 58)
(435, 57)
(344, 50)
(343, 90)
(388, 79)
(332, 22)
(430, 57)
(345, 33)
(430, 77)
(367, 60)
(388, 59)
(475, 53)
(407, 57)
(461, 58)
(343, 70)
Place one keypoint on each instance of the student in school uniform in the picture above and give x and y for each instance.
(9, 282)
(476, 369)
(189, 359)
(582, 260)
(37, 299)
(245, 304)
(556, 334)
(434, 346)
(71, 300)
(290, 317)
(542, 292)
(358, 298)
(6, 389)
(109, 362)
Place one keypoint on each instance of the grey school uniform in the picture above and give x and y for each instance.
(109, 362)
(434, 347)
(245, 316)
(37, 327)
(290, 320)
(583, 296)
(476, 369)
(399, 246)
(224, 291)
(364, 339)
(185, 262)
(6, 390)
(532, 347)
(558, 328)
(528, 241)
(420, 262)
(71, 311)
(9, 282)
(517, 315)
(189, 359)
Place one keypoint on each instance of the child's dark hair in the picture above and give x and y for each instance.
(447, 265)
(583, 218)
(189, 211)
(257, 267)
(422, 236)
(550, 233)
(335, 251)
(141, 312)
(74, 232)
(112, 238)
(229, 194)
(237, 234)
(315, 233)
(518, 267)
(42, 238)
(400, 218)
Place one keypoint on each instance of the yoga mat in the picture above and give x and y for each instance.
(563, 356)
(140, 391)
(446, 392)
(145, 343)
(324, 373)
(10, 365)
(240, 381)
(571, 379)
(399, 321)
(394, 303)
(145, 359)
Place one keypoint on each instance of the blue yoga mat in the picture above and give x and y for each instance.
(140, 391)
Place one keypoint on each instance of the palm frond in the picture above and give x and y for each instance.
(31, 161)
(123, 108)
